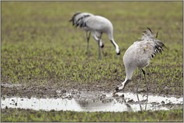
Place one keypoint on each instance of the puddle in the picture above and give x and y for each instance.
(46, 104)
(6, 85)
(93, 102)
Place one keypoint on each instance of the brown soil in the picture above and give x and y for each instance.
(51, 89)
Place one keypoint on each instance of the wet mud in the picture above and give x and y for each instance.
(18, 96)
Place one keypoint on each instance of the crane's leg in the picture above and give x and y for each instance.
(146, 87)
(98, 39)
(99, 50)
(102, 46)
(87, 39)
(143, 71)
(137, 90)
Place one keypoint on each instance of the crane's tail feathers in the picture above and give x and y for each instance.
(73, 18)
(156, 36)
(149, 29)
(158, 48)
(79, 19)
(148, 35)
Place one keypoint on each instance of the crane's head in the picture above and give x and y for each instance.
(118, 51)
(116, 46)
(120, 88)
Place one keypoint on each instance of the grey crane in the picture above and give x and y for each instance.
(138, 55)
(97, 25)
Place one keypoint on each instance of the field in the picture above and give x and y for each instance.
(43, 52)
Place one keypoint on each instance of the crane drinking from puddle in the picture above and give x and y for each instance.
(138, 55)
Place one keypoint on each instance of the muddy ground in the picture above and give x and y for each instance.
(52, 89)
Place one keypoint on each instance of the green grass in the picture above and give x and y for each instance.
(69, 116)
(40, 46)
(38, 42)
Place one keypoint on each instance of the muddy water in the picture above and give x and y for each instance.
(95, 101)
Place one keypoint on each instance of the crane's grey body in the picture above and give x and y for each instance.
(97, 25)
(139, 54)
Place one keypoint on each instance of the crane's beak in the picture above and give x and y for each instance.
(114, 94)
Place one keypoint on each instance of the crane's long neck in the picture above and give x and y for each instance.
(129, 73)
(116, 46)
(111, 37)
(129, 69)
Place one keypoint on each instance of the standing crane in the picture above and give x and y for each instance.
(97, 25)
(138, 55)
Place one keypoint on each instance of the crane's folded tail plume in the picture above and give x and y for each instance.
(149, 35)
(158, 48)
(73, 18)
(79, 19)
